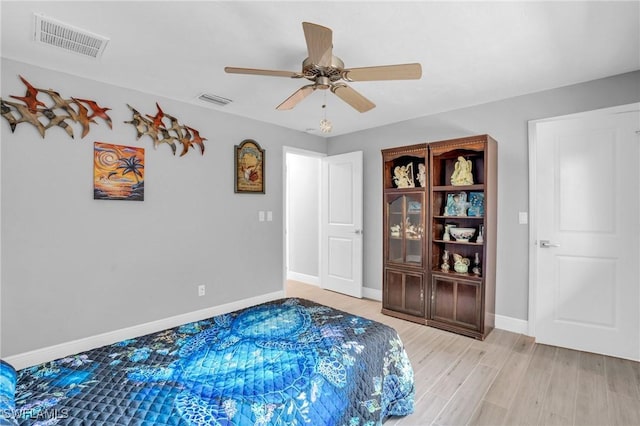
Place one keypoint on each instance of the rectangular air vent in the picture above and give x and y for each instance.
(214, 99)
(53, 32)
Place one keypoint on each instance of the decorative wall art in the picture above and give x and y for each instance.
(58, 112)
(249, 167)
(161, 131)
(118, 172)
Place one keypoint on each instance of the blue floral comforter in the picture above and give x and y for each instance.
(287, 362)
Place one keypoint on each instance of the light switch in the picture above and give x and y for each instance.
(269, 216)
(523, 218)
(261, 216)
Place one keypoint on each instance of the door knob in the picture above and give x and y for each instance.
(548, 244)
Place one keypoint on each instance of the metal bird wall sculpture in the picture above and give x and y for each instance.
(161, 132)
(59, 113)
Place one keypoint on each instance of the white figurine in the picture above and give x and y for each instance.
(422, 175)
(462, 173)
(403, 176)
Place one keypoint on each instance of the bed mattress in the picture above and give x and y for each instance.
(286, 362)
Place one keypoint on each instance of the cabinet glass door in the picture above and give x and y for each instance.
(405, 218)
(413, 229)
(396, 230)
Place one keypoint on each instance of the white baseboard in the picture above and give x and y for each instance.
(372, 293)
(367, 293)
(514, 325)
(38, 356)
(303, 278)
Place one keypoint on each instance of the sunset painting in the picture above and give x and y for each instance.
(118, 172)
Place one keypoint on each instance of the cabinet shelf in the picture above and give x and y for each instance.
(457, 188)
(480, 218)
(467, 276)
(464, 243)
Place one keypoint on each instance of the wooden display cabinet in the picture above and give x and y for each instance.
(420, 201)
(404, 226)
(463, 301)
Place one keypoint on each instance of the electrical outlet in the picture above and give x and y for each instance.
(201, 290)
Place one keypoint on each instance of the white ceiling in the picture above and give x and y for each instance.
(471, 52)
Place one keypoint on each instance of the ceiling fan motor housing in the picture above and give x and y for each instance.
(323, 76)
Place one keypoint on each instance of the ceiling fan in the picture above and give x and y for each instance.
(327, 71)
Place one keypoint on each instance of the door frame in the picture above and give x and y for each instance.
(533, 218)
(285, 219)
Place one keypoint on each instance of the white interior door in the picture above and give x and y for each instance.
(587, 232)
(341, 224)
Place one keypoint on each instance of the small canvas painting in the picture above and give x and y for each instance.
(118, 172)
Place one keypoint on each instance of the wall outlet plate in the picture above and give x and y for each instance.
(201, 290)
(523, 218)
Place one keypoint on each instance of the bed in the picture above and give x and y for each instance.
(285, 362)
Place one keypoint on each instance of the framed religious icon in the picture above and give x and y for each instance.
(249, 167)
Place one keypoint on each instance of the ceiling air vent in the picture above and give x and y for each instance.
(56, 33)
(214, 99)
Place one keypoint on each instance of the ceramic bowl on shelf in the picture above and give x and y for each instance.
(462, 234)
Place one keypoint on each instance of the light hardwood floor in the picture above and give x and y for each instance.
(507, 379)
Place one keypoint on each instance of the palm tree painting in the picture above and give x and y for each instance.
(118, 172)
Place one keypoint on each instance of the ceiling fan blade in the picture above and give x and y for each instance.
(253, 71)
(297, 97)
(384, 72)
(319, 43)
(352, 97)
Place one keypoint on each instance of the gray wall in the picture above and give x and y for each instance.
(74, 267)
(506, 121)
(303, 184)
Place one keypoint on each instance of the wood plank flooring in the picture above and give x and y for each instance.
(507, 379)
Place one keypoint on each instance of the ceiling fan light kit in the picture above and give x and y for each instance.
(327, 71)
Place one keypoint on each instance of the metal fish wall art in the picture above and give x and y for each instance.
(58, 112)
(163, 128)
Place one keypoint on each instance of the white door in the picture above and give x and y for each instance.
(341, 224)
(587, 231)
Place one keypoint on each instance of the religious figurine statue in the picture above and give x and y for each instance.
(422, 175)
(462, 173)
(403, 176)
